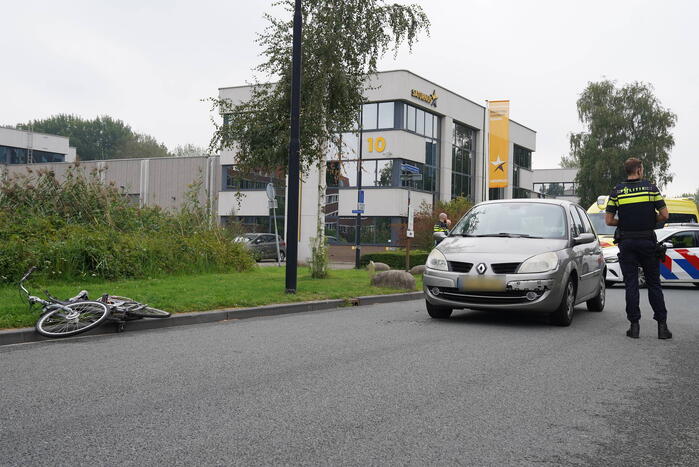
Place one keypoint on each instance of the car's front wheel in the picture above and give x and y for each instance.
(438, 312)
(597, 303)
(563, 315)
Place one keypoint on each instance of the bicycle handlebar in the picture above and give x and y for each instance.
(29, 273)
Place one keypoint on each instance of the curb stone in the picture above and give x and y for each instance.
(26, 335)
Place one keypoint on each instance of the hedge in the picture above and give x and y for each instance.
(395, 259)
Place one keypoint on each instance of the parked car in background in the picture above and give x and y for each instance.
(539, 255)
(263, 245)
(681, 265)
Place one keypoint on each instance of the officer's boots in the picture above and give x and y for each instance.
(635, 330)
(663, 331)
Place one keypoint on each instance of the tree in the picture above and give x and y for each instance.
(427, 216)
(189, 150)
(342, 43)
(694, 196)
(100, 138)
(619, 123)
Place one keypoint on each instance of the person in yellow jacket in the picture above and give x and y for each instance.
(444, 224)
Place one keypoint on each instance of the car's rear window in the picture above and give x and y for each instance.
(525, 219)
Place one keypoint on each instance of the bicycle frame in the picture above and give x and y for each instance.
(52, 303)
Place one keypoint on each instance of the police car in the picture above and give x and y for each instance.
(681, 265)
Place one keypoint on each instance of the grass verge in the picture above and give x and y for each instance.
(201, 292)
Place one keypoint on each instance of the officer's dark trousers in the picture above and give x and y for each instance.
(632, 254)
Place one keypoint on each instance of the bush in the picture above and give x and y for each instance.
(395, 259)
(426, 217)
(80, 227)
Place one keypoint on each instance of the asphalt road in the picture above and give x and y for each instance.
(381, 384)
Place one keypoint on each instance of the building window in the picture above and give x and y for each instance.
(375, 172)
(255, 224)
(235, 180)
(12, 155)
(375, 230)
(386, 115)
(496, 193)
(462, 147)
(555, 189)
(522, 157)
(418, 120)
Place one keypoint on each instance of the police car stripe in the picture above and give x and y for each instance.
(680, 267)
(688, 268)
(689, 256)
(666, 273)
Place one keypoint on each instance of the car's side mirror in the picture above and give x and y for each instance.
(439, 236)
(668, 245)
(584, 238)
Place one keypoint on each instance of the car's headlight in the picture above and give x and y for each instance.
(611, 259)
(437, 260)
(539, 263)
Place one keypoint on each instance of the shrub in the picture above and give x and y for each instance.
(395, 259)
(80, 227)
(426, 218)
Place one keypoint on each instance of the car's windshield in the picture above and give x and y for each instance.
(601, 226)
(529, 220)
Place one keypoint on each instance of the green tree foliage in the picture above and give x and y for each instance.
(100, 138)
(342, 43)
(694, 196)
(619, 123)
(189, 150)
(76, 227)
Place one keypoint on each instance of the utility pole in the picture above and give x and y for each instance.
(292, 211)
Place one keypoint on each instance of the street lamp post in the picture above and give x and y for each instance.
(292, 213)
(360, 200)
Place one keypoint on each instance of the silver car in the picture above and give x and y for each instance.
(540, 255)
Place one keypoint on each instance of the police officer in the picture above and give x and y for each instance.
(639, 206)
(443, 224)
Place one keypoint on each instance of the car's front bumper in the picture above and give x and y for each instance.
(535, 292)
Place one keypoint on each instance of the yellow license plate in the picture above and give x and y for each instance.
(481, 284)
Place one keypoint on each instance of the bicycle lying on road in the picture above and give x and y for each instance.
(64, 318)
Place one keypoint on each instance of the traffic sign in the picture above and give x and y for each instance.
(271, 192)
(409, 168)
(357, 211)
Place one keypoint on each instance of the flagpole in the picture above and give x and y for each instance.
(486, 152)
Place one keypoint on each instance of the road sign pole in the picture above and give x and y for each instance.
(358, 225)
(407, 238)
(292, 213)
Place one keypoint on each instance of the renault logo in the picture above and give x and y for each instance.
(481, 268)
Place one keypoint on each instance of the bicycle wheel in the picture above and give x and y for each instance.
(149, 312)
(134, 308)
(73, 319)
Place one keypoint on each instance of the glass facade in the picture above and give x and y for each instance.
(400, 116)
(375, 172)
(554, 189)
(375, 230)
(522, 160)
(12, 155)
(235, 180)
(462, 160)
(522, 157)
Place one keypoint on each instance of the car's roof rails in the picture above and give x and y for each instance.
(682, 224)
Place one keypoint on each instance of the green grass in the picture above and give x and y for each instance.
(262, 286)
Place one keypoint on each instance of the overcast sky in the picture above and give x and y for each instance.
(150, 62)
